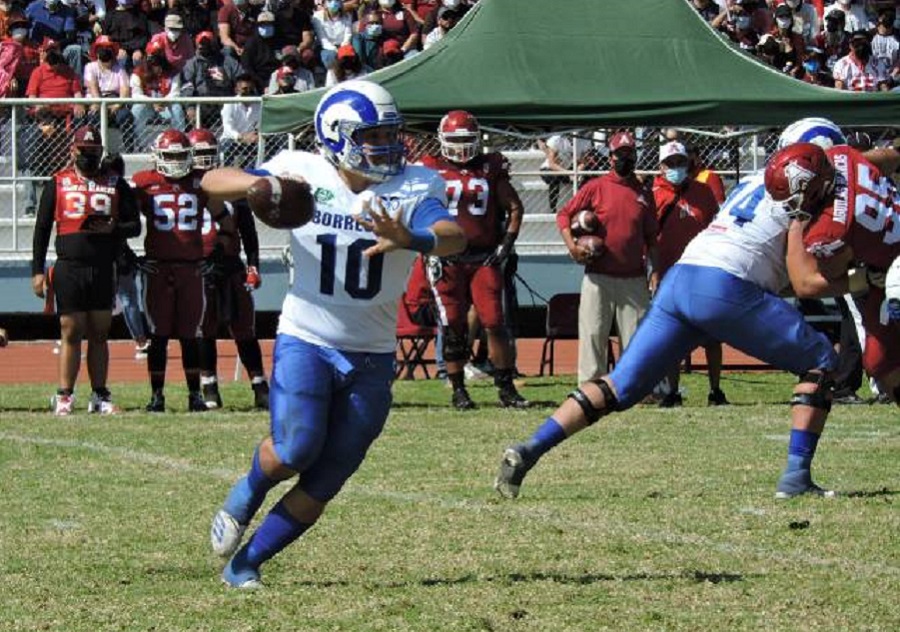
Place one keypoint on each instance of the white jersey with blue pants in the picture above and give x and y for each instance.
(334, 353)
(724, 288)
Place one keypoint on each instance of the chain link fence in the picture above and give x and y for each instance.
(35, 140)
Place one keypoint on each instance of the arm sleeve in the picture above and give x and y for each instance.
(246, 227)
(428, 212)
(129, 219)
(43, 226)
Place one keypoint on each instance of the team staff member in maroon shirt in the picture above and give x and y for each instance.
(684, 207)
(93, 212)
(615, 284)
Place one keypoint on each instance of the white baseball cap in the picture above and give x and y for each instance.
(672, 148)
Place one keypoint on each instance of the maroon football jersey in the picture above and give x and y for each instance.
(78, 197)
(174, 211)
(865, 214)
(472, 195)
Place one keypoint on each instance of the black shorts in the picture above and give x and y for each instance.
(82, 287)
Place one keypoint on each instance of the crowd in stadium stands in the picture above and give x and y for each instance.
(847, 44)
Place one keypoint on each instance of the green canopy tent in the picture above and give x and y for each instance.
(595, 63)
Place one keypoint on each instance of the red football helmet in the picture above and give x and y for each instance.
(460, 136)
(172, 153)
(205, 148)
(801, 178)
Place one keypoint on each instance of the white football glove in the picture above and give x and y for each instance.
(890, 309)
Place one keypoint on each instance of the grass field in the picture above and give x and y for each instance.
(651, 520)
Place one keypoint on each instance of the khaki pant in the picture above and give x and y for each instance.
(603, 298)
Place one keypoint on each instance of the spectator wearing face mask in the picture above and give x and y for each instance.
(834, 40)
(854, 13)
(446, 20)
(684, 207)
(399, 26)
(240, 126)
(859, 71)
(155, 78)
(806, 19)
(369, 40)
(814, 70)
(128, 27)
(19, 56)
(432, 18)
(790, 42)
(293, 25)
(259, 58)
(51, 19)
(209, 73)
(333, 28)
(885, 45)
(292, 75)
(236, 26)
(175, 41)
(738, 26)
(105, 77)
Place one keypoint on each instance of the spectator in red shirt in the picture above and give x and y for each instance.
(615, 283)
(19, 56)
(236, 24)
(176, 41)
(684, 207)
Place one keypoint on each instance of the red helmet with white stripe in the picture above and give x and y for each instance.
(460, 136)
(172, 153)
(801, 178)
(205, 148)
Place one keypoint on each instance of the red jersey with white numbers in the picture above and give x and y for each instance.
(472, 196)
(78, 197)
(174, 211)
(865, 214)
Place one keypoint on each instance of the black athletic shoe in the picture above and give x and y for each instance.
(261, 396)
(211, 396)
(196, 403)
(851, 399)
(461, 399)
(716, 398)
(510, 398)
(672, 400)
(157, 403)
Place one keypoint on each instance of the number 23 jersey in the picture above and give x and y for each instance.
(865, 214)
(340, 298)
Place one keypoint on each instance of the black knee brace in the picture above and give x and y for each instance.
(821, 397)
(591, 413)
(455, 347)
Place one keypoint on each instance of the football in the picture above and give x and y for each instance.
(584, 223)
(281, 202)
(592, 243)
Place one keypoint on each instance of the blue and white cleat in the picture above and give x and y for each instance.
(799, 483)
(225, 534)
(244, 579)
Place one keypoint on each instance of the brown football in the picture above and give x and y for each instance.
(596, 245)
(281, 202)
(584, 223)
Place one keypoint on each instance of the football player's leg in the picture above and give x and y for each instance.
(300, 401)
(881, 357)
(159, 300)
(766, 327)
(452, 301)
(190, 300)
(660, 340)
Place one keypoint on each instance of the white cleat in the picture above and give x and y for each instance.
(225, 534)
(102, 405)
(63, 405)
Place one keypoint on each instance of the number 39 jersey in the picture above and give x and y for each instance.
(865, 214)
(747, 238)
(78, 197)
(339, 297)
(174, 212)
(472, 196)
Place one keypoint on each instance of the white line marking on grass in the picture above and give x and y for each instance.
(546, 515)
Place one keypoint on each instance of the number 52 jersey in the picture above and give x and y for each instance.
(339, 297)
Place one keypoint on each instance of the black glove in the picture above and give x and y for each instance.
(499, 255)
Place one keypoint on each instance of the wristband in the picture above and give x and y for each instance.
(423, 240)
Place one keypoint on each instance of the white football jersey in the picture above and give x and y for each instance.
(747, 238)
(341, 298)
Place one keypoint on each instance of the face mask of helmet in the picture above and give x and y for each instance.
(174, 163)
(460, 147)
(105, 54)
(206, 158)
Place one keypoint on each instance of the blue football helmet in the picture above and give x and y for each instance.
(818, 131)
(343, 117)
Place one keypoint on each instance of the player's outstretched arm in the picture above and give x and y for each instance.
(227, 183)
(811, 278)
(451, 239)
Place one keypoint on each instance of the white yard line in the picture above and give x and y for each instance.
(525, 512)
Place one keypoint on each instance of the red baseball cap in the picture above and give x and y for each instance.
(87, 136)
(346, 51)
(202, 35)
(391, 46)
(621, 139)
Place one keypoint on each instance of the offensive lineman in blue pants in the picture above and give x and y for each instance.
(723, 288)
(334, 353)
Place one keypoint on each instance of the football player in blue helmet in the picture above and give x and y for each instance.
(815, 130)
(333, 362)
